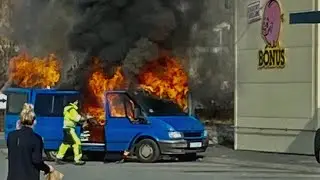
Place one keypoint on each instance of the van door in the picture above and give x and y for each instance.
(121, 128)
(16, 97)
(48, 106)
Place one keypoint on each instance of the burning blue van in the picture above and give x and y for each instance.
(149, 128)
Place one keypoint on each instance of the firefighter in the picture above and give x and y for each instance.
(70, 138)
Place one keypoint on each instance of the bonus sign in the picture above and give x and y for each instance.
(273, 55)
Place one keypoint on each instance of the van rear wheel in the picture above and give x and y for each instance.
(51, 155)
(147, 151)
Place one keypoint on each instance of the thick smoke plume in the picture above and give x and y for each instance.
(110, 28)
(211, 72)
(41, 26)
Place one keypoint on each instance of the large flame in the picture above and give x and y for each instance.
(165, 78)
(98, 84)
(26, 71)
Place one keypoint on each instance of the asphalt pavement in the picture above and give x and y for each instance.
(2, 140)
(218, 163)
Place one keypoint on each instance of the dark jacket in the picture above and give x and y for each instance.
(25, 155)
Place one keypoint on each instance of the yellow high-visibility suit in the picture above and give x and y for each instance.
(70, 138)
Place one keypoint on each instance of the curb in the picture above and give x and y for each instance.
(283, 166)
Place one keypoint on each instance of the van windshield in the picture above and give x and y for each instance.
(157, 107)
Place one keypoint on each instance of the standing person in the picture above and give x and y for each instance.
(70, 138)
(25, 109)
(25, 150)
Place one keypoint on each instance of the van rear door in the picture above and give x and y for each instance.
(16, 97)
(48, 106)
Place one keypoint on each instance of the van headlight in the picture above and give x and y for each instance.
(205, 133)
(175, 135)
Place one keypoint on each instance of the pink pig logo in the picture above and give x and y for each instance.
(271, 23)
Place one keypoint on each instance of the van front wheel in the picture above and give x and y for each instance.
(147, 151)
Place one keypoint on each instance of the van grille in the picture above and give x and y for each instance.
(192, 134)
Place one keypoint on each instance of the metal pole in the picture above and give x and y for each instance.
(235, 73)
(190, 105)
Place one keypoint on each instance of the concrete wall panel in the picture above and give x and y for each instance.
(276, 123)
(281, 100)
(299, 63)
(275, 141)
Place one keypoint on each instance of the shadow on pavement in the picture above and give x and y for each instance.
(262, 157)
(255, 172)
(114, 157)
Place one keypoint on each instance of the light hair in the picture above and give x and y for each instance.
(27, 115)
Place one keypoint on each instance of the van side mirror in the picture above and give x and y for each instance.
(137, 113)
(139, 116)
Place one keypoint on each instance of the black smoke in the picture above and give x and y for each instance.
(40, 27)
(108, 29)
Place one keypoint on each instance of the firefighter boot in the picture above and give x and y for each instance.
(59, 161)
(79, 163)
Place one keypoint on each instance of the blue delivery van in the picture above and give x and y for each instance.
(149, 128)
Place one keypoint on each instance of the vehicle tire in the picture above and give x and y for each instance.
(147, 151)
(51, 155)
(317, 145)
(188, 157)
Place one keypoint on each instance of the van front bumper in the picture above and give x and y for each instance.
(177, 147)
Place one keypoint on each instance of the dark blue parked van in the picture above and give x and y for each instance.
(150, 127)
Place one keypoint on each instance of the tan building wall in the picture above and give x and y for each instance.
(276, 109)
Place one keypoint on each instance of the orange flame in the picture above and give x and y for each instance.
(98, 83)
(27, 72)
(165, 78)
